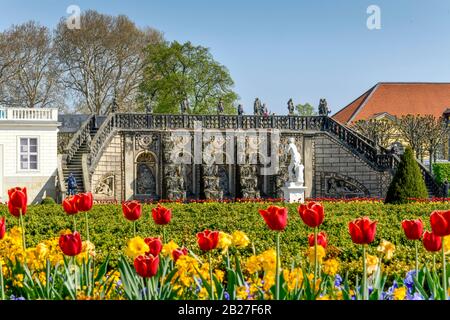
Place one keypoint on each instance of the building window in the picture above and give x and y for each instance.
(28, 154)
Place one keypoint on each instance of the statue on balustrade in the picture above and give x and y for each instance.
(264, 110)
(184, 106)
(148, 105)
(240, 110)
(290, 107)
(323, 108)
(220, 107)
(257, 107)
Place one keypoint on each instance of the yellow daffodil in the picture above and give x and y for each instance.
(253, 265)
(225, 241)
(400, 293)
(330, 267)
(371, 263)
(267, 260)
(240, 239)
(168, 248)
(387, 248)
(320, 254)
(136, 247)
(447, 244)
(293, 278)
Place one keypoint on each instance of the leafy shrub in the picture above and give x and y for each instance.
(48, 200)
(408, 181)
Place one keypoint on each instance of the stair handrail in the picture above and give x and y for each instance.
(83, 134)
(98, 141)
(354, 140)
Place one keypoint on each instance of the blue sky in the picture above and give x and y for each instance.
(276, 50)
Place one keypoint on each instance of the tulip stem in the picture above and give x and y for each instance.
(444, 272)
(211, 276)
(22, 224)
(434, 261)
(87, 225)
(417, 260)
(365, 292)
(74, 276)
(134, 228)
(148, 289)
(164, 234)
(74, 223)
(277, 269)
(2, 286)
(315, 261)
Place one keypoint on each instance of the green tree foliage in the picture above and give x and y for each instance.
(441, 172)
(305, 110)
(175, 71)
(407, 182)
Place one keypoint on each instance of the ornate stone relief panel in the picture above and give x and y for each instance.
(106, 185)
(335, 185)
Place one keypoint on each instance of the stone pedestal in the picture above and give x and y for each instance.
(294, 193)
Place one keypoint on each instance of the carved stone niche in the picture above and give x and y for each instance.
(335, 185)
(211, 183)
(249, 181)
(175, 184)
(105, 187)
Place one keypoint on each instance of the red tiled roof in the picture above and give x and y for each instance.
(398, 99)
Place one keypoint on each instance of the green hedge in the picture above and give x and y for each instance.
(110, 231)
(441, 172)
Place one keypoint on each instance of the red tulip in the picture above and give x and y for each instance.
(155, 246)
(413, 229)
(177, 253)
(275, 217)
(321, 239)
(208, 240)
(432, 242)
(362, 230)
(17, 201)
(146, 265)
(70, 205)
(2, 228)
(161, 215)
(312, 214)
(132, 210)
(440, 222)
(70, 244)
(85, 201)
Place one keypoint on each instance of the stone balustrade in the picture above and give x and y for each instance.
(28, 114)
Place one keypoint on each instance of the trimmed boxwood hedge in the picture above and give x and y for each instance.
(110, 231)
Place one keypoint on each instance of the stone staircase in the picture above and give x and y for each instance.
(74, 164)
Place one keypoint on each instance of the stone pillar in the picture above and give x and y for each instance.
(308, 163)
(129, 170)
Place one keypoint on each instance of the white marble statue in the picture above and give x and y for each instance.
(296, 167)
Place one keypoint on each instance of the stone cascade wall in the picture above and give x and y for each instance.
(332, 170)
(106, 181)
(340, 173)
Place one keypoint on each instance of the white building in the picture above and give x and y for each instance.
(28, 152)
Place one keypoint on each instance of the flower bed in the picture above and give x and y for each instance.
(243, 265)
